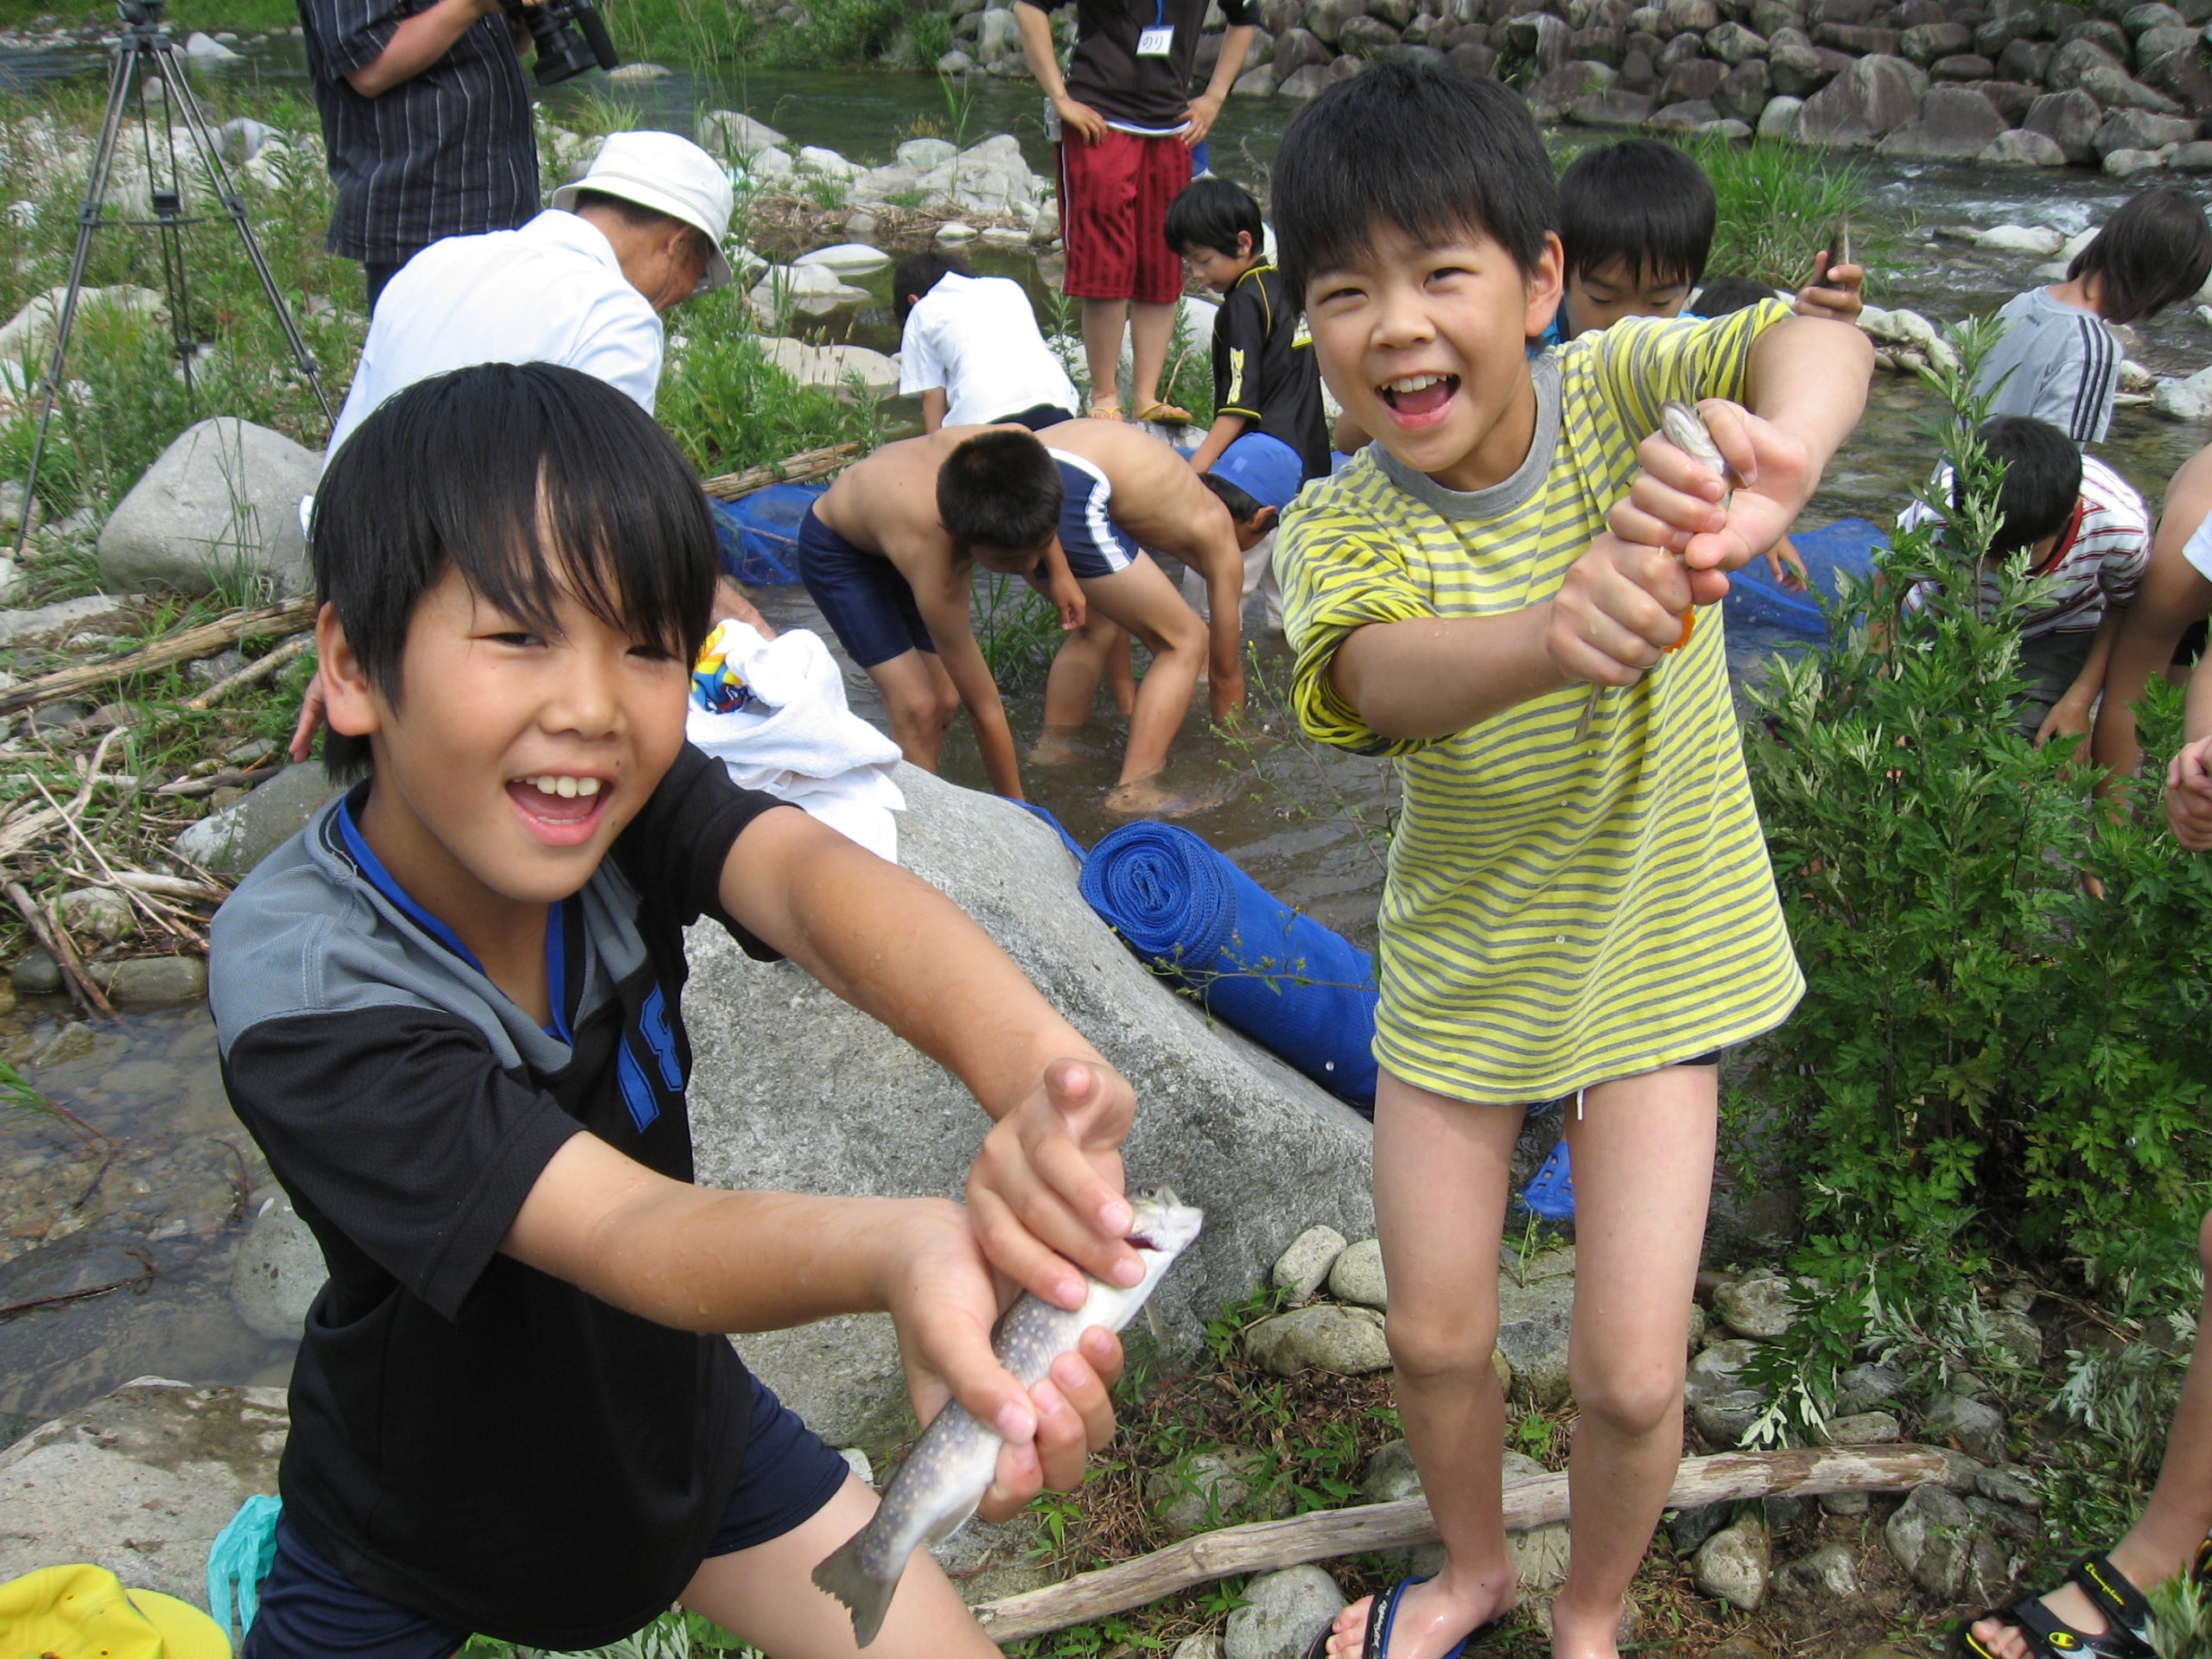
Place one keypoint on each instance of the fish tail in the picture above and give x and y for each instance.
(865, 1593)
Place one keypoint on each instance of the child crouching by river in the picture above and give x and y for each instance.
(1567, 914)
(449, 1011)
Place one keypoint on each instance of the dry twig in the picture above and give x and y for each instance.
(188, 645)
(58, 946)
(792, 469)
(260, 669)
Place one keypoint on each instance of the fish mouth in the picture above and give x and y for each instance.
(1142, 1242)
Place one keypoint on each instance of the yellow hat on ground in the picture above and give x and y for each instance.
(84, 1612)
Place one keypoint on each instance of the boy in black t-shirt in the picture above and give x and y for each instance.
(450, 1013)
(1264, 376)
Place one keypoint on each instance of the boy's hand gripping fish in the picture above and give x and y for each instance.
(1685, 430)
(945, 1476)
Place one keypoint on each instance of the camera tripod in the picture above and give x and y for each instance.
(146, 55)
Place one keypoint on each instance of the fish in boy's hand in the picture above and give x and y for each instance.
(945, 1476)
(1685, 430)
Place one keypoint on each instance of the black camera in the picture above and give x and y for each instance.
(567, 37)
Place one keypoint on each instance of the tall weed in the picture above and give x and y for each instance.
(1774, 204)
(1991, 1060)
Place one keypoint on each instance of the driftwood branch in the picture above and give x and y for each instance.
(1268, 1545)
(56, 941)
(258, 669)
(792, 469)
(188, 645)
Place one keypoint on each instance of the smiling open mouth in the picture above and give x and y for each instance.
(558, 798)
(1415, 395)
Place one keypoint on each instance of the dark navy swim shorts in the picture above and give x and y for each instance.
(310, 1611)
(860, 594)
(1095, 545)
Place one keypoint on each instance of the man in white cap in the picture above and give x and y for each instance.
(582, 284)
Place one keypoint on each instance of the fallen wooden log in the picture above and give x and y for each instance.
(187, 646)
(807, 464)
(253, 673)
(1265, 1546)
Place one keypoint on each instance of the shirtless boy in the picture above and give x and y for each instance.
(1124, 493)
(889, 553)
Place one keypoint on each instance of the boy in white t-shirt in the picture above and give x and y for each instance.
(970, 346)
(2083, 528)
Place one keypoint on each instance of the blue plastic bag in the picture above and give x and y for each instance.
(760, 532)
(238, 1562)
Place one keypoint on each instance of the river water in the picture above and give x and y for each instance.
(164, 1205)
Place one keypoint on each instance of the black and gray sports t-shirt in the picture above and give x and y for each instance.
(1264, 368)
(473, 1440)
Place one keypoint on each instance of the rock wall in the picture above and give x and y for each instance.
(2013, 82)
(791, 1088)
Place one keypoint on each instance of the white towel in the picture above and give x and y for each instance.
(795, 738)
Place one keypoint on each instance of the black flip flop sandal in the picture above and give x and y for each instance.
(2118, 1599)
(1382, 1614)
(2050, 1638)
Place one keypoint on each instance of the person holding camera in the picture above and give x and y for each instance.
(426, 122)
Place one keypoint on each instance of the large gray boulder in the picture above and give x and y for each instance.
(139, 1481)
(232, 841)
(222, 502)
(1955, 123)
(2070, 120)
(792, 1089)
(1866, 102)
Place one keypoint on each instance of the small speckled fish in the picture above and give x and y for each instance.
(945, 1476)
(1685, 430)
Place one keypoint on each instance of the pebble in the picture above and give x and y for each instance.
(1688, 1529)
(1862, 1428)
(1932, 1536)
(151, 981)
(1302, 1268)
(35, 973)
(1282, 1613)
(277, 1273)
(1844, 1504)
(1733, 1565)
(2008, 1485)
(100, 913)
(1864, 1387)
(1724, 1419)
(857, 1461)
(1979, 1429)
(1390, 1474)
(1204, 1645)
(1328, 1337)
(1357, 1276)
(1206, 1489)
(1831, 1571)
(2039, 241)
(954, 230)
(1718, 1370)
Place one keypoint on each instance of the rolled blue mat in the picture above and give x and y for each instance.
(1284, 980)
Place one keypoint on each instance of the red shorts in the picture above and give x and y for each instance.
(1113, 200)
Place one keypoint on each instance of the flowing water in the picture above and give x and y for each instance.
(159, 1211)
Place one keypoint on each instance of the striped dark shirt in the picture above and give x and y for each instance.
(449, 152)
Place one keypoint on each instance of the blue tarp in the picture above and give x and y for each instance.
(1756, 600)
(1282, 979)
(760, 532)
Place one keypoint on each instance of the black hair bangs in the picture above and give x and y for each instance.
(2040, 485)
(1641, 204)
(2156, 251)
(1000, 489)
(534, 481)
(1429, 151)
(1210, 213)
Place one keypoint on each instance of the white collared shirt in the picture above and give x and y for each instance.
(551, 292)
(976, 337)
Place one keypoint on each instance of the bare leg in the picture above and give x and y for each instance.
(1143, 600)
(2175, 1522)
(1643, 1149)
(765, 1596)
(1122, 677)
(1073, 682)
(1437, 1253)
(1151, 328)
(919, 701)
(1102, 347)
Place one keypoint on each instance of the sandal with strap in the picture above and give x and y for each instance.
(1381, 1615)
(1109, 410)
(1166, 414)
(2126, 1612)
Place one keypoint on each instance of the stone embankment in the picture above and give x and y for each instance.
(2033, 83)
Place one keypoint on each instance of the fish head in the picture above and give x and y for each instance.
(1164, 1224)
(1685, 430)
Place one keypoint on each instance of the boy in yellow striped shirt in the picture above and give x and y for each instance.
(1586, 915)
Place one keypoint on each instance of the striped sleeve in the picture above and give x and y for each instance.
(1338, 572)
(1642, 362)
(2079, 394)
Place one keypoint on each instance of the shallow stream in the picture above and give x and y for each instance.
(159, 1210)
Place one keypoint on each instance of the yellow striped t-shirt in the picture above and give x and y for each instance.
(1557, 914)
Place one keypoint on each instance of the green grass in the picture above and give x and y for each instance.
(1776, 203)
(837, 34)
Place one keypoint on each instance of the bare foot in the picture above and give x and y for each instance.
(1582, 1636)
(1146, 800)
(2067, 1604)
(1056, 749)
(1430, 1622)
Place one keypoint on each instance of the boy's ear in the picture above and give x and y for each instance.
(1254, 529)
(1244, 248)
(350, 704)
(1546, 283)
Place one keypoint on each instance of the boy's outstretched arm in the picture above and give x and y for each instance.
(699, 1259)
(1047, 1187)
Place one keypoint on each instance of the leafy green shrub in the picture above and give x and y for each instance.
(1990, 1060)
(728, 407)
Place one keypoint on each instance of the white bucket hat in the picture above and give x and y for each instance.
(668, 175)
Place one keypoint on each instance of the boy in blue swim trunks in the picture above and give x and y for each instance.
(449, 1010)
(889, 554)
(1124, 493)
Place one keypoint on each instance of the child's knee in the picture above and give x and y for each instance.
(1631, 1400)
(1440, 1347)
